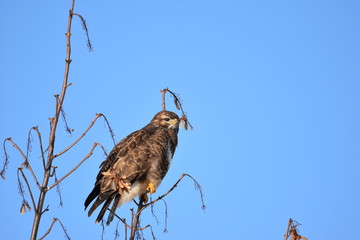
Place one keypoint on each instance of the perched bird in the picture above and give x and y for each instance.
(136, 165)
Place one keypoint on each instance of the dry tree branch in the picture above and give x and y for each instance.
(110, 129)
(26, 163)
(17, 148)
(141, 206)
(63, 116)
(184, 119)
(28, 186)
(81, 136)
(51, 226)
(58, 190)
(123, 220)
(163, 92)
(6, 161)
(48, 161)
(84, 26)
(136, 218)
(166, 216)
(41, 145)
(53, 126)
(197, 187)
(287, 229)
(292, 231)
(28, 147)
(76, 167)
(24, 203)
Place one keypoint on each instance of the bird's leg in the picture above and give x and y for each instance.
(144, 198)
(150, 188)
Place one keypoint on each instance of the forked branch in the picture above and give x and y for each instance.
(29, 189)
(141, 206)
(78, 165)
(26, 163)
(81, 136)
(292, 231)
(51, 226)
(184, 119)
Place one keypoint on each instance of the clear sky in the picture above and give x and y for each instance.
(271, 88)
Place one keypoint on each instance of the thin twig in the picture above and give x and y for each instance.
(175, 185)
(84, 25)
(163, 92)
(287, 229)
(166, 216)
(76, 167)
(135, 216)
(29, 188)
(41, 145)
(58, 190)
(177, 102)
(51, 226)
(28, 147)
(110, 129)
(26, 163)
(49, 229)
(121, 219)
(82, 135)
(6, 161)
(63, 116)
(17, 147)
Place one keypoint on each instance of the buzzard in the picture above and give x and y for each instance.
(136, 165)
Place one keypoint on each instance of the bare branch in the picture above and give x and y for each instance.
(177, 102)
(116, 233)
(6, 161)
(63, 116)
(141, 206)
(51, 226)
(22, 194)
(26, 163)
(197, 187)
(82, 135)
(110, 130)
(292, 231)
(166, 216)
(136, 217)
(84, 26)
(123, 220)
(287, 229)
(17, 148)
(28, 186)
(163, 92)
(49, 229)
(28, 166)
(41, 145)
(58, 190)
(76, 167)
(28, 147)
(153, 212)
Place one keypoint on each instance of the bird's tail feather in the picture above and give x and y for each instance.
(94, 193)
(113, 208)
(103, 209)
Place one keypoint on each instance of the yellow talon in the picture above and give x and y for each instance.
(150, 188)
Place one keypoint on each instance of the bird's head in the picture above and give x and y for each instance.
(166, 119)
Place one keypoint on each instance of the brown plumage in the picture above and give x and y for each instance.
(136, 165)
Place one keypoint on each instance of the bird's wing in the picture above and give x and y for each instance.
(126, 163)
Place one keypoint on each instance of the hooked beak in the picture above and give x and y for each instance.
(173, 123)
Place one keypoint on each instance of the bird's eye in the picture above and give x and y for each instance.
(167, 119)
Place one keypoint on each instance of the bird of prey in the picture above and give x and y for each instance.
(136, 165)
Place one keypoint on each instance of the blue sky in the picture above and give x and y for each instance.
(271, 88)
